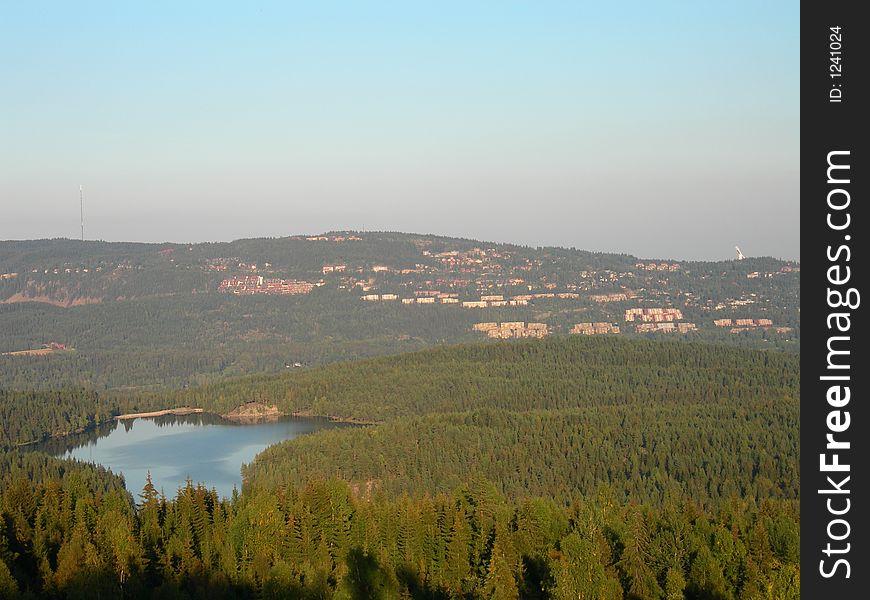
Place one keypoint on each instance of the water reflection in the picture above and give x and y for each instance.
(203, 447)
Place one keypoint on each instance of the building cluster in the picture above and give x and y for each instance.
(512, 330)
(605, 276)
(617, 297)
(770, 274)
(743, 323)
(257, 284)
(333, 269)
(438, 299)
(653, 315)
(333, 238)
(562, 295)
(379, 297)
(451, 282)
(657, 266)
(594, 328)
(741, 301)
(468, 260)
(70, 270)
(665, 327)
(430, 300)
(418, 268)
(483, 270)
(738, 325)
(486, 301)
(251, 266)
(432, 297)
(492, 301)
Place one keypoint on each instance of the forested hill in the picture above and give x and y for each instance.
(164, 316)
(665, 417)
(618, 469)
(551, 417)
(550, 374)
(557, 373)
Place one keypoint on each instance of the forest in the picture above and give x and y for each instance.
(567, 467)
(645, 454)
(549, 374)
(69, 530)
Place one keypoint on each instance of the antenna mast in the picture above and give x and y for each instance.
(82, 211)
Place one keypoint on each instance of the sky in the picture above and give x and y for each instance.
(660, 129)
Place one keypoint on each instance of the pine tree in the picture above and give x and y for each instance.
(458, 570)
(500, 583)
(579, 572)
(635, 560)
(675, 585)
(8, 585)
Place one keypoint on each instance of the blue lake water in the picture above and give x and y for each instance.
(204, 448)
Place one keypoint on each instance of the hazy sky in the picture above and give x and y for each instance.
(663, 129)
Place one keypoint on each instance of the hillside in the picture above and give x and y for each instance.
(553, 417)
(658, 410)
(171, 315)
(629, 467)
(556, 373)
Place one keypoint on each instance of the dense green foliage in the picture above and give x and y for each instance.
(557, 373)
(549, 374)
(547, 417)
(646, 453)
(62, 539)
(171, 342)
(563, 468)
(35, 469)
(29, 417)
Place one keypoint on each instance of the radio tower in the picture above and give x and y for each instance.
(82, 211)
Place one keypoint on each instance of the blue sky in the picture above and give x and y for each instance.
(665, 129)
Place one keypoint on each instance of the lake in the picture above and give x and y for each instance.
(204, 447)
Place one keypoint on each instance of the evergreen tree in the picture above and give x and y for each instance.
(500, 583)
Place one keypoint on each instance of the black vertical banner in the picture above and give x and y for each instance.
(835, 421)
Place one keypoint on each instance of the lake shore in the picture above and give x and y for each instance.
(159, 413)
(186, 410)
(334, 418)
(253, 414)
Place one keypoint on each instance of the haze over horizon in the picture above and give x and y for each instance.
(666, 130)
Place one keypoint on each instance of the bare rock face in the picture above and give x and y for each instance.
(254, 412)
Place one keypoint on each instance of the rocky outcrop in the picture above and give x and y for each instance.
(254, 412)
(64, 302)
